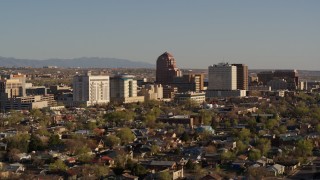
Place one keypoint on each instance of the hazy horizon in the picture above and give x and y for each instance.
(262, 34)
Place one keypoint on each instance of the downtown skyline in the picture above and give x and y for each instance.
(263, 35)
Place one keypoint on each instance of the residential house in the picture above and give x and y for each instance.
(276, 169)
(161, 165)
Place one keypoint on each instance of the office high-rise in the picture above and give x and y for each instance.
(222, 76)
(124, 89)
(166, 69)
(91, 89)
(242, 76)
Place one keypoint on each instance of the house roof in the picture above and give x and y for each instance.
(162, 163)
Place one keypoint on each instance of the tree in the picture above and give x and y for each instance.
(241, 147)
(318, 128)
(190, 165)
(164, 175)
(155, 149)
(254, 154)
(206, 116)
(244, 134)
(126, 135)
(36, 113)
(36, 143)
(14, 117)
(54, 140)
(185, 137)
(264, 145)
(12, 154)
(139, 170)
(58, 165)
(227, 156)
(19, 141)
(94, 171)
(112, 140)
(304, 147)
(271, 123)
(120, 117)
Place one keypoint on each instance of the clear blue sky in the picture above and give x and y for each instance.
(262, 34)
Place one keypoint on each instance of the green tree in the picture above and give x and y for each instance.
(58, 165)
(155, 149)
(264, 145)
(254, 154)
(318, 128)
(272, 123)
(126, 135)
(164, 175)
(36, 143)
(19, 141)
(244, 134)
(206, 116)
(304, 147)
(241, 147)
(112, 140)
(139, 170)
(227, 156)
(36, 113)
(54, 140)
(120, 117)
(14, 117)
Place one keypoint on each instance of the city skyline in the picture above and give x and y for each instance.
(263, 35)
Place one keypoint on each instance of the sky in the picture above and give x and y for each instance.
(269, 34)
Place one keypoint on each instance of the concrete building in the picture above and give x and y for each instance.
(169, 91)
(226, 93)
(189, 82)
(278, 84)
(289, 76)
(91, 90)
(166, 69)
(198, 97)
(13, 85)
(29, 102)
(178, 119)
(265, 76)
(242, 76)
(124, 89)
(152, 92)
(222, 76)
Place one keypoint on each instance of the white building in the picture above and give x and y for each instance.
(222, 76)
(124, 89)
(91, 89)
(152, 92)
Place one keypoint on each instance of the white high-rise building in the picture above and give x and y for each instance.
(222, 76)
(91, 89)
(124, 89)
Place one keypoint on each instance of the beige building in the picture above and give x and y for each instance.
(152, 92)
(124, 89)
(222, 76)
(13, 85)
(91, 90)
(198, 97)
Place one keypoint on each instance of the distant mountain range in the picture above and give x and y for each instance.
(83, 62)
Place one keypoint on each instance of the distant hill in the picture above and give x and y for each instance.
(84, 62)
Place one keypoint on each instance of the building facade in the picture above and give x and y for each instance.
(242, 76)
(166, 69)
(124, 89)
(91, 89)
(189, 82)
(222, 76)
